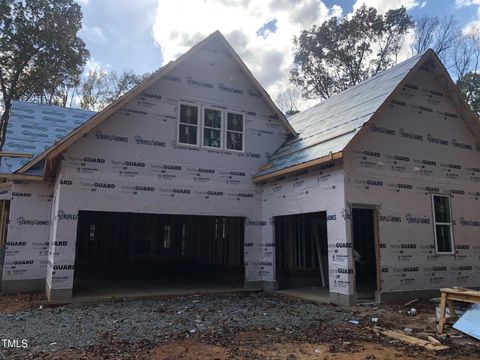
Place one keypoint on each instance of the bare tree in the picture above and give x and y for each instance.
(466, 55)
(439, 34)
(289, 101)
(99, 88)
(425, 29)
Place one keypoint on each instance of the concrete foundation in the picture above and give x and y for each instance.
(342, 299)
(319, 295)
(253, 285)
(58, 294)
(394, 296)
(16, 286)
(270, 286)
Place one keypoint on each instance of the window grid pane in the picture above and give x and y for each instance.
(444, 239)
(442, 209)
(235, 122)
(212, 125)
(188, 134)
(212, 137)
(443, 224)
(212, 118)
(234, 140)
(188, 114)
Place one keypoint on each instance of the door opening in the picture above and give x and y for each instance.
(4, 213)
(301, 250)
(118, 253)
(364, 253)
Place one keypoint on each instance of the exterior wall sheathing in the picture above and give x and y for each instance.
(132, 163)
(28, 236)
(416, 147)
(312, 190)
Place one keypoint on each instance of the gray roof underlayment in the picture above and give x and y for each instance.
(33, 128)
(330, 125)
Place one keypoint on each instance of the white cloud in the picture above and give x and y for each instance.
(180, 24)
(383, 6)
(95, 65)
(462, 3)
(473, 27)
(93, 33)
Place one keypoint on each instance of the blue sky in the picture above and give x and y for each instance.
(141, 35)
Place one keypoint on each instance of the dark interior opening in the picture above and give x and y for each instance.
(301, 250)
(364, 252)
(158, 250)
(4, 214)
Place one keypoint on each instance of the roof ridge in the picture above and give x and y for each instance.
(362, 83)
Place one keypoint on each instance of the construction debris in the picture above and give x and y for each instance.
(411, 340)
(240, 325)
(411, 302)
(448, 296)
(469, 323)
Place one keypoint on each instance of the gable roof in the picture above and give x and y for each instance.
(33, 128)
(98, 118)
(328, 128)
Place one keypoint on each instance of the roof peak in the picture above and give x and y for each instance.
(414, 58)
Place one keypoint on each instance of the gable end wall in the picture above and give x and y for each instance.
(132, 162)
(419, 146)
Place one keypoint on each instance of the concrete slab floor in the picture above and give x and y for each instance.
(320, 295)
(88, 290)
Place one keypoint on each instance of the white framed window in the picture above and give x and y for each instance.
(443, 224)
(235, 131)
(188, 124)
(212, 128)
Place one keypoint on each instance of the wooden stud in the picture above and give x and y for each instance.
(15, 155)
(410, 340)
(319, 254)
(16, 176)
(441, 320)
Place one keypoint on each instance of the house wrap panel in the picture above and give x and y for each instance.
(317, 189)
(417, 147)
(28, 233)
(132, 161)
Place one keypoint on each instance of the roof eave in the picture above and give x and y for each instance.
(291, 169)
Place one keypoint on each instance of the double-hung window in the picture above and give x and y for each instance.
(442, 222)
(235, 131)
(212, 128)
(188, 125)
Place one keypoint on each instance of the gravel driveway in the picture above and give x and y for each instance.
(153, 319)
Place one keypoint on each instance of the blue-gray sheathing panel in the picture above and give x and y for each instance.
(33, 128)
(330, 125)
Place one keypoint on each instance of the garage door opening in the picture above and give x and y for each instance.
(302, 252)
(145, 253)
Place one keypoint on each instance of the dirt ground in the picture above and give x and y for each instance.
(19, 302)
(330, 339)
(264, 345)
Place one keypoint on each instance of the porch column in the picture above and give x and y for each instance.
(340, 258)
(61, 255)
